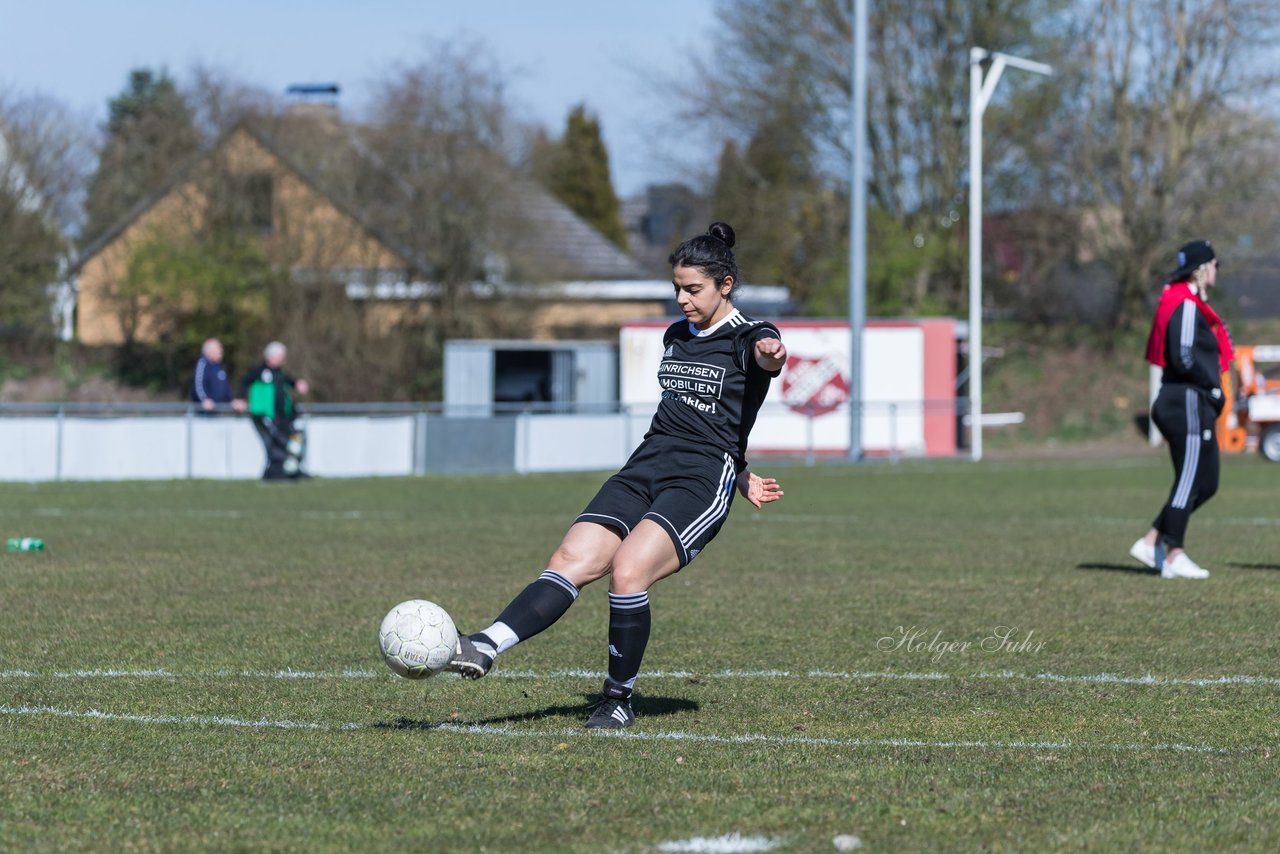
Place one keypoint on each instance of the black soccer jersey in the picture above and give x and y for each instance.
(712, 386)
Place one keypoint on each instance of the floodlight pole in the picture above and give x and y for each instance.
(980, 92)
(857, 225)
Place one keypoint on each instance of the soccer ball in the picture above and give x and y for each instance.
(417, 638)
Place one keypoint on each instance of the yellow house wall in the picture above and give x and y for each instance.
(98, 312)
(308, 232)
(547, 320)
(570, 318)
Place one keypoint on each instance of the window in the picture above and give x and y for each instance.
(258, 198)
(244, 202)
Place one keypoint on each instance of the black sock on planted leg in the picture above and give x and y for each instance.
(629, 621)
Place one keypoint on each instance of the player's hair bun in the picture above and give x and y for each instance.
(712, 253)
(723, 232)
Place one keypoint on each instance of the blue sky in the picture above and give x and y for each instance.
(563, 52)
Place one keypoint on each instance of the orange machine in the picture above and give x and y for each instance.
(1253, 418)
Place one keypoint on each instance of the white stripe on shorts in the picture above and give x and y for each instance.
(717, 510)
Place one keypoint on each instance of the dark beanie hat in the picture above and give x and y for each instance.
(1190, 257)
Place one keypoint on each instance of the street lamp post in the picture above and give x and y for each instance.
(980, 92)
(857, 225)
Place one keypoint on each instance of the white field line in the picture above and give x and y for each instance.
(852, 676)
(196, 720)
(1073, 521)
(730, 843)
(674, 736)
(771, 516)
(191, 674)
(59, 512)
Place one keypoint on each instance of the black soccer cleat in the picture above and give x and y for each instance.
(468, 661)
(613, 711)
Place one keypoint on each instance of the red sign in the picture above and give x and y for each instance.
(814, 386)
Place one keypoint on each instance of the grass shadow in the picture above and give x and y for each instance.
(1119, 567)
(409, 723)
(645, 706)
(1255, 565)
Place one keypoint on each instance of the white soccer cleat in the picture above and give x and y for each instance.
(1182, 567)
(1146, 555)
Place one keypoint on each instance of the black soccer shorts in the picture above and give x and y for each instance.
(686, 490)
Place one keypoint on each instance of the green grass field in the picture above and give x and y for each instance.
(193, 665)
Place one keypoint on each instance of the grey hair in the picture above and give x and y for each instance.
(275, 348)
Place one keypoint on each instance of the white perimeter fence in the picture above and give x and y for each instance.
(42, 442)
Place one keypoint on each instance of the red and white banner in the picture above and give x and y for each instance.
(908, 386)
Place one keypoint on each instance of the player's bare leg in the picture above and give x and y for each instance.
(583, 556)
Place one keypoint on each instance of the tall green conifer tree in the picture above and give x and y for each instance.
(575, 169)
(149, 134)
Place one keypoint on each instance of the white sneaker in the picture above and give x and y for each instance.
(1182, 567)
(1149, 556)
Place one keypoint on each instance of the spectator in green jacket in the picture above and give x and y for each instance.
(266, 392)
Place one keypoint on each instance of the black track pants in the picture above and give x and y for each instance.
(275, 441)
(1186, 420)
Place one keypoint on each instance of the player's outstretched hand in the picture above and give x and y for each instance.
(759, 490)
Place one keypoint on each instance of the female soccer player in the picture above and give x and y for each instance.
(1189, 340)
(655, 515)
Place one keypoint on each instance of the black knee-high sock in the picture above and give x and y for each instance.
(539, 605)
(628, 636)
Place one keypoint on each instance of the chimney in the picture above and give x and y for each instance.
(313, 100)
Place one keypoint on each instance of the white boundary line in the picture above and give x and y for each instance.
(729, 843)
(852, 676)
(59, 513)
(195, 720)
(676, 736)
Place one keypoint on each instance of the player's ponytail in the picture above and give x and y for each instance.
(712, 253)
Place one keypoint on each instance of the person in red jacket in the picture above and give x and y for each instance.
(1190, 342)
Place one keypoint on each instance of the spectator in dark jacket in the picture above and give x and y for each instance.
(210, 386)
